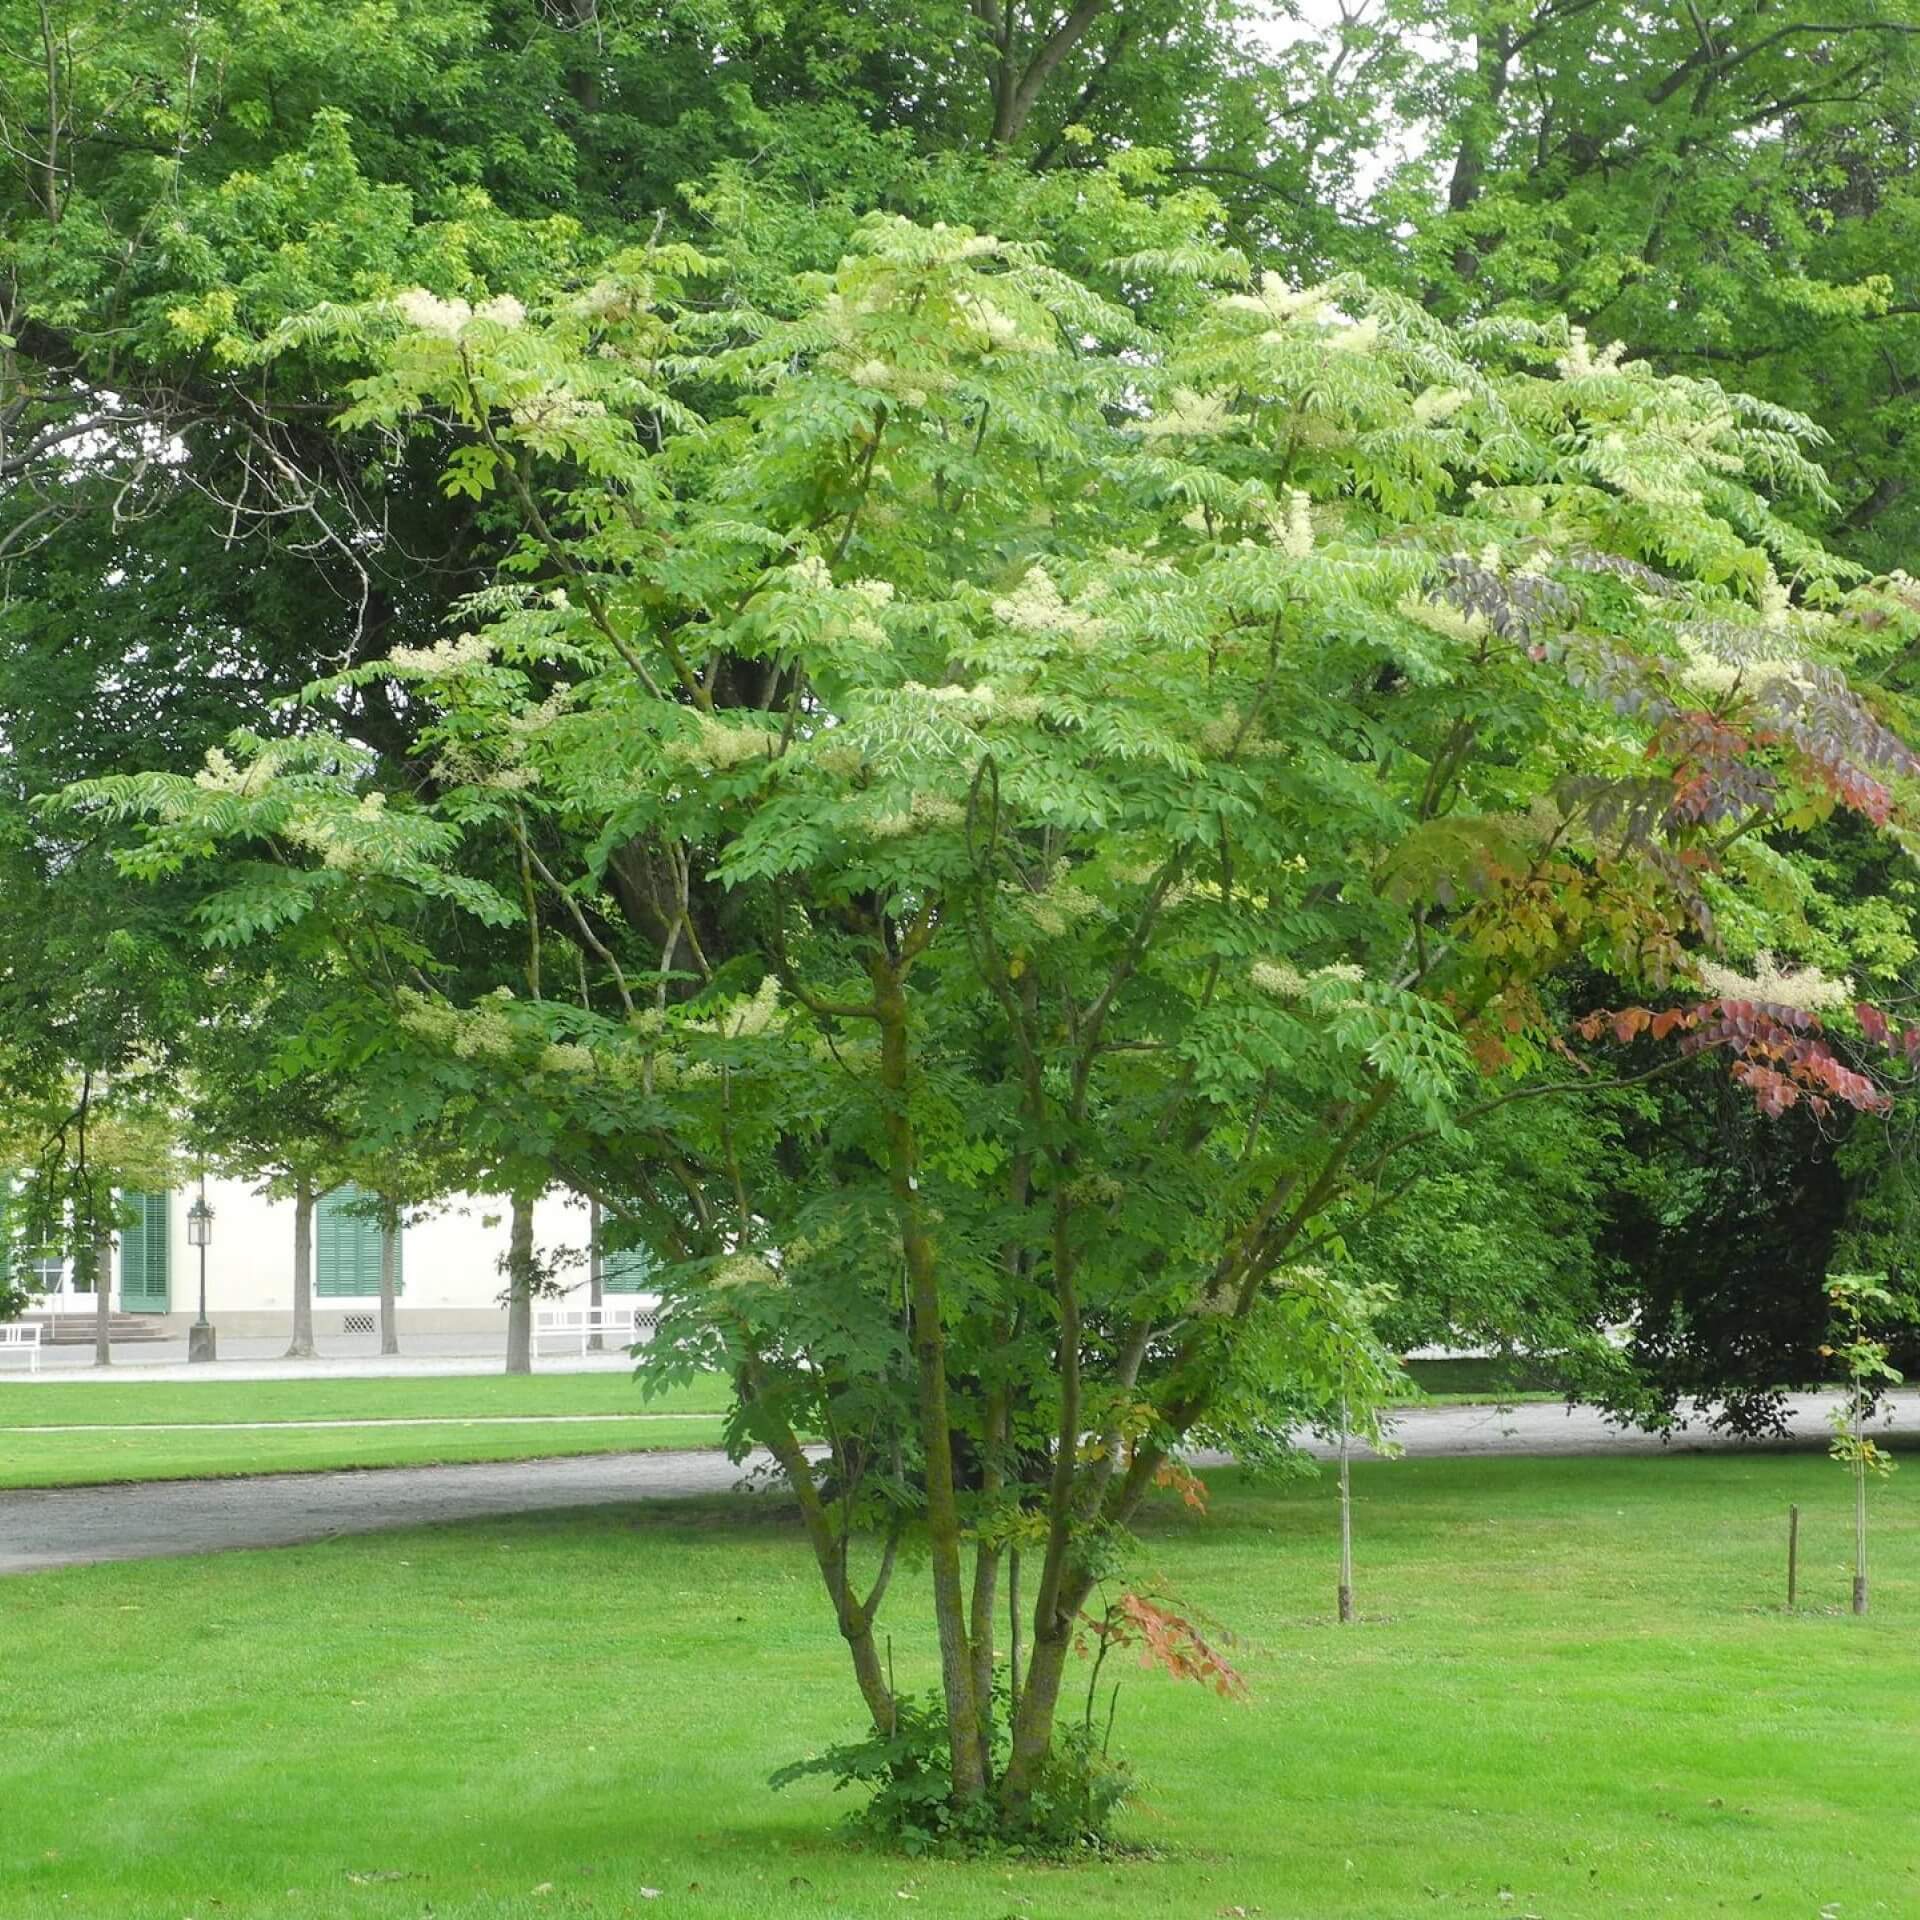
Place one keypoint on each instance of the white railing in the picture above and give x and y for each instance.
(26, 1338)
(627, 1322)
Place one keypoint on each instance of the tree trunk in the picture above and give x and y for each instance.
(1492, 63)
(389, 1278)
(103, 1294)
(520, 1286)
(854, 1617)
(986, 1564)
(1039, 1701)
(301, 1347)
(929, 1342)
(1015, 91)
(1013, 1632)
(596, 1278)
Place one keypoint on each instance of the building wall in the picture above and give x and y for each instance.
(451, 1277)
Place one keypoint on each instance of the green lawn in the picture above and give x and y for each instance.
(30, 1456)
(1573, 1687)
(136, 1403)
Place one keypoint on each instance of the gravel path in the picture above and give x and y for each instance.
(67, 1526)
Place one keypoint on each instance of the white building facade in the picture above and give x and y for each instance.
(451, 1277)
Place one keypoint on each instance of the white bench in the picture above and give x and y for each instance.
(626, 1322)
(26, 1338)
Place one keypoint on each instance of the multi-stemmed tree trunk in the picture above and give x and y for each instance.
(301, 1346)
(520, 1277)
(389, 1276)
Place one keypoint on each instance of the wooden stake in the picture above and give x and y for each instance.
(1346, 1523)
(1793, 1555)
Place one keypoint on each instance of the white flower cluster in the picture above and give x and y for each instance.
(1580, 362)
(1055, 910)
(449, 318)
(1361, 337)
(443, 657)
(566, 1056)
(1296, 534)
(1277, 301)
(994, 329)
(1192, 415)
(743, 1270)
(1036, 607)
(719, 746)
(1439, 403)
(1289, 983)
(1710, 673)
(319, 831)
(878, 377)
(842, 759)
(948, 695)
(220, 775)
(748, 1019)
(485, 1033)
(1806, 988)
(923, 811)
(553, 409)
(1451, 623)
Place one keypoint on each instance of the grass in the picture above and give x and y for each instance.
(31, 1456)
(141, 1403)
(683, 1416)
(1572, 1695)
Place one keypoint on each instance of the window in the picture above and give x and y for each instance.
(625, 1271)
(346, 1252)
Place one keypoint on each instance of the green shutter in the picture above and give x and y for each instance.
(346, 1251)
(625, 1271)
(145, 1276)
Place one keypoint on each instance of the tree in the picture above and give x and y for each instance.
(1719, 186)
(1051, 808)
(1858, 1300)
(1702, 198)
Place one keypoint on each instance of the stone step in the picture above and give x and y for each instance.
(81, 1329)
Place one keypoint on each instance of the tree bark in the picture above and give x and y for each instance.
(520, 1286)
(1016, 92)
(301, 1347)
(103, 1294)
(854, 1617)
(596, 1278)
(389, 1277)
(1492, 57)
(1039, 1701)
(986, 1588)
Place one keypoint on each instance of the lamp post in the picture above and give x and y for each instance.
(200, 1234)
